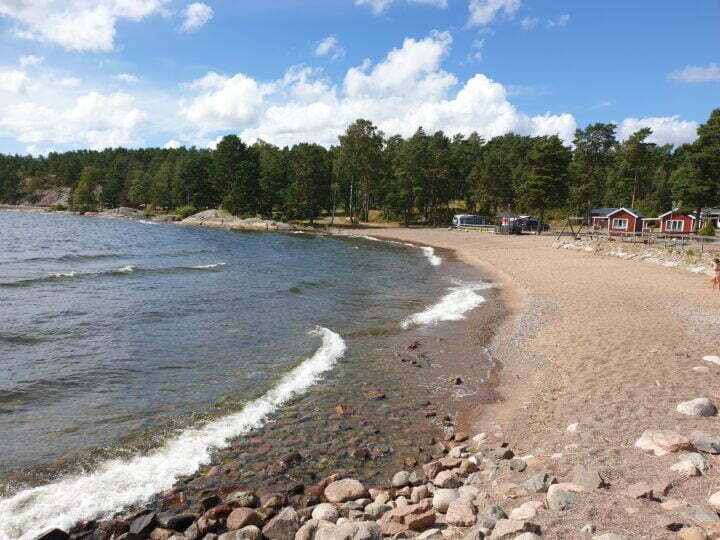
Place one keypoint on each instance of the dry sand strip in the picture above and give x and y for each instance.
(609, 345)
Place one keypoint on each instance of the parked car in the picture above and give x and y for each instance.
(468, 220)
(531, 224)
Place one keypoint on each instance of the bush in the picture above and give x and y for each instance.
(708, 229)
(58, 207)
(185, 211)
(149, 212)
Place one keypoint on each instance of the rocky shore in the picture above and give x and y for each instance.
(473, 488)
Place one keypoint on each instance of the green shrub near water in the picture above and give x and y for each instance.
(186, 211)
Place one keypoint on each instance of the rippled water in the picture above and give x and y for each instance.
(144, 346)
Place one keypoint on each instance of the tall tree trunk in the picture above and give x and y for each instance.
(696, 225)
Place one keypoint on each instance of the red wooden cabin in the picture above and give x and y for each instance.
(625, 221)
(676, 223)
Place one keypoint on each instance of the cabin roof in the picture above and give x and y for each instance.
(691, 215)
(601, 212)
(631, 211)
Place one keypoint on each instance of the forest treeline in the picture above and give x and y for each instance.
(416, 179)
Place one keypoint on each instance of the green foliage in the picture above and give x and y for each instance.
(708, 229)
(422, 178)
(186, 211)
(83, 197)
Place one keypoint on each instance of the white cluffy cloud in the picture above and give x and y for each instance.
(14, 81)
(31, 60)
(483, 12)
(196, 15)
(126, 78)
(378, 6)
(407, 89)
(330, 46)
(697, 74)
(665, 129)
(80, 25)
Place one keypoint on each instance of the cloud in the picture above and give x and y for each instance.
(696, 74)
(559, 21)
(528, 23)
(330, 46)
(483, 12)
(79, 25)
(406, 89)
(379, 6)
(13, 81)
(70, 81)
(94, 120)
(196, 15)
(477, 45)
(126, 78)
(666, 129)
(31, 60)
(223, 103)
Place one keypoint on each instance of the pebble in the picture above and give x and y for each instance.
(461, 513)
(685, 469)
(401, 479)
(539, 483)
(345, 490)
(705, 442)
(662, 442)
(526, 511)
(697, 407)
(560, 500)
(326, 511)
(443, 497)
(376, 510)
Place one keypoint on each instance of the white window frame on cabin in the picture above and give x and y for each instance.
(670, 225)
(617, 220)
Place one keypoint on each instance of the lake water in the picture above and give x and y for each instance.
(130, 351)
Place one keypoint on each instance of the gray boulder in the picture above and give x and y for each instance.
(705, 442)
(697, 407)
(539, 483)
(283, 526)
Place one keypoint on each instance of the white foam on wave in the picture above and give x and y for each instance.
(459, 300)
(126, 269)
(121, 482)
(370, 238)
(430, 254)
(207, 266)
(63, 274)
(146, 222)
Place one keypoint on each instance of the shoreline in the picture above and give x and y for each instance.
(434, 342)
(575, 392)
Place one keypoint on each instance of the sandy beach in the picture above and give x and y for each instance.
(604, 343)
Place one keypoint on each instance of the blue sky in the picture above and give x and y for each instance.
(96, 73)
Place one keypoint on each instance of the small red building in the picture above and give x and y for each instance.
(625, 221)
(674, 222)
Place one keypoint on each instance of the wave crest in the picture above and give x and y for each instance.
(451, 307)
(119, 483)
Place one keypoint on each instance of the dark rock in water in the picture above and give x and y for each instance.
(373, 393)
(293, 458)
(176, 522)
(273, 500)
(110, 528)
(206, 503)
(283, 526)
(243, 498)
(285, 485)
(54, 534)
(143, 524)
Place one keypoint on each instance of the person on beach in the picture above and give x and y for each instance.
(716, 274)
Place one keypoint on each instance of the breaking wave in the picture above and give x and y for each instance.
(452, 306)
(121, 482)
(207, 266)
(430, 254)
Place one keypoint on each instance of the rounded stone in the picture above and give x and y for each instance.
(326, 511)
(443, 497)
